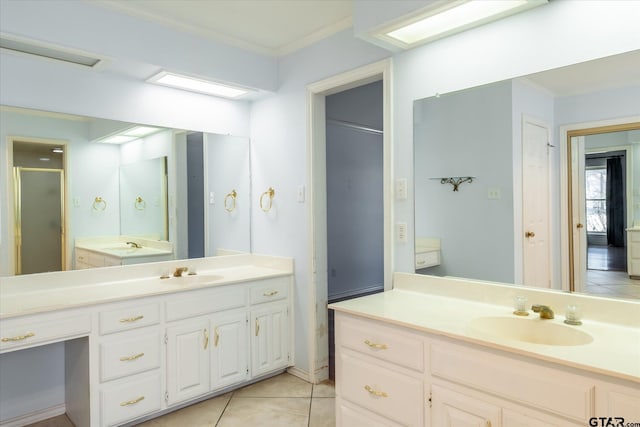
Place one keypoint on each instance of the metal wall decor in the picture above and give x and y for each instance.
(456, 180)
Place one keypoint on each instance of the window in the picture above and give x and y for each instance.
(596, 191)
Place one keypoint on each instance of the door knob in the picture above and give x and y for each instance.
(529, 234)
(579, 225)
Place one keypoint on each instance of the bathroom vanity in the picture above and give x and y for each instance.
(450, 352)
(92, 252)
(137, 345)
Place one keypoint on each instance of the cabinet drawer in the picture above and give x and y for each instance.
(269, 290)
(388, 393)
(348, 415)
(19, 333)
(205, 303)
(427, 259)
(383, 342)
(123, 319)
(129, 354)
(129, 399)
(541, 387)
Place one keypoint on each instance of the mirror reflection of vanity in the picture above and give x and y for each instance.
(479, 133)
(119, 196)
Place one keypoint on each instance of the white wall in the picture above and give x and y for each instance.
(279, 159)
(464, 134)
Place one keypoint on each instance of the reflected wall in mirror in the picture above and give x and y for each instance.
(94, 200)
(143, 199)
(487, 228)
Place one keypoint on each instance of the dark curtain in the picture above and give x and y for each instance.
(615, 202)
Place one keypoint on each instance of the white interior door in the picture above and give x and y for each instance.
(535, 200)
(578, 213)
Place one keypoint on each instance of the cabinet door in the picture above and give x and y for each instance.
(229, 351)
(188, 349)
(452, 409)
(269, 339)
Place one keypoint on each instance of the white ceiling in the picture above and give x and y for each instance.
(273, 27)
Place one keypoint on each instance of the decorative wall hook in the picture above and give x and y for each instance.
(140, 204)
(99, 204)
(456, 180)
(270, 193)
(230, 207)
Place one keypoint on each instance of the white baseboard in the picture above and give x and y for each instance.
(34, 417)
(300, 373)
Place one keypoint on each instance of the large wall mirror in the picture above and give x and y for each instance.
(501, 195)
(188, 190)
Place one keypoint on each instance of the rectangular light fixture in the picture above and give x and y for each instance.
(40, 49)
(453, 17)
(129, 135)
(192, 84)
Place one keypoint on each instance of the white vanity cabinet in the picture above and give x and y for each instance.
(397, 375)
(210, 344)
(269, 326)
(633, 252)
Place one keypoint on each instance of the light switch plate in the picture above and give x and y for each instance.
(401, 232)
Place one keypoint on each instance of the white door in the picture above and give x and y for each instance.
(535, 203)
(229, 358)
(578, 213)
(270, 339)
(187, 359)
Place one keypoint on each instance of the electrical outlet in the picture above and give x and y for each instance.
(494, 194)
(401, 231)
(300, 193)
(401, 189)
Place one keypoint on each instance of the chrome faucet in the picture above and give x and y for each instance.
(179, 271)
(134, 244)
(545, 311)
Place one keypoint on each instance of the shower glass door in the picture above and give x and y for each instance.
(39, 220)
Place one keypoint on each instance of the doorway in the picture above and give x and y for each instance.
(355, 210)
(601, 199)
(39, 207)
(318, 343)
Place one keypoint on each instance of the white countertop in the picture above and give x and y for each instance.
(46, 292)
(614, 351)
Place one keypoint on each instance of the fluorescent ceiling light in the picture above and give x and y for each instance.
(455, 17)
(129, 135)
(196, 85)
(47, 52)
(140, 131)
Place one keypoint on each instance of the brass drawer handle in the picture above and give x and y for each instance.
(375, 392)
(206, 339)
(132, 402)
(128, 358)
(216, 337)
(19, 337)
(131, 319)
(257, 327)
(270, 294)
(375, 345)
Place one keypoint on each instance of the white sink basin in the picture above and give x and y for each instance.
(532, 330)
(194, 279)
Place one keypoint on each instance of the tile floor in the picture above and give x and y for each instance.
(615, 284)
(281, 401)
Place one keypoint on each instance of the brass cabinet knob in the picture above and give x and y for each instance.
(529, 234)
(579, 225)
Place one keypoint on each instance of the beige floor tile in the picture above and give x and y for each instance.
(59, 421)
(323, 412)
(324, 389)
(284, 385)
(202, 414)
(266, 412)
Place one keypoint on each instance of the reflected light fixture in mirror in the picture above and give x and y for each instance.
(451, 17)
(165, 78)
(129, 135)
